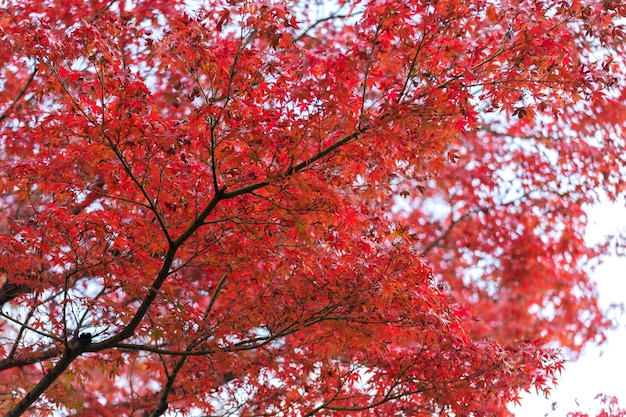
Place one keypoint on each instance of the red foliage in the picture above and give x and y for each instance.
(610, 408)
(275, 208)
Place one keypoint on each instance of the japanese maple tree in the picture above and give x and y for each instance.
(258, 208)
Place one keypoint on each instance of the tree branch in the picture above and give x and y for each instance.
(33, 358)
(294, 169)
(71, 353)
(21, 94)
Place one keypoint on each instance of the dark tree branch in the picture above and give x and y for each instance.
(21, 94)
(71, 353)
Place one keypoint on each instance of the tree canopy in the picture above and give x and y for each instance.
(285, 208)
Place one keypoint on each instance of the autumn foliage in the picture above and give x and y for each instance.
(259, 208)
(609, 408)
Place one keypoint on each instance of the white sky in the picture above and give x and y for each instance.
(600, 370)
